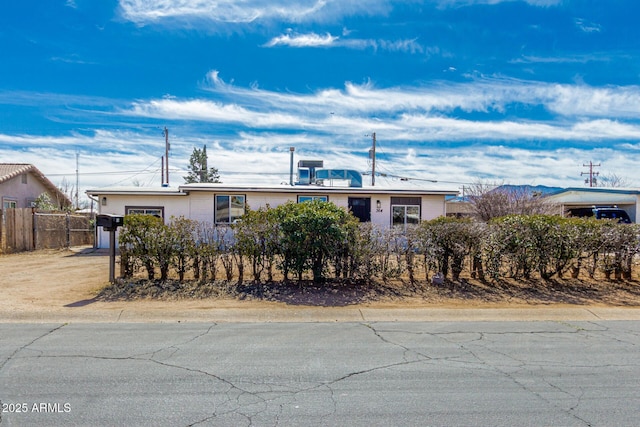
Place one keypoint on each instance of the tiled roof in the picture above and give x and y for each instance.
(12, 170)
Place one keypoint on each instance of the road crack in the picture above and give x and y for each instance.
(30, 343)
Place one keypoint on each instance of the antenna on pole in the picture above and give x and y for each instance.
(372, 156)
(167, 147)
(77, 179)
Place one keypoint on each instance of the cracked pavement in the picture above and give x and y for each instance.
(569, 373)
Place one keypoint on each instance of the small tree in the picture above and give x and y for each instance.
(44, 203)
(256, 238)
(198, 168)
(185, 244)
(138, 242)
(445, 243)
(613, 180)
(491, 201)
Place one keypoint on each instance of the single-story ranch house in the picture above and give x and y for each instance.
(223, 204)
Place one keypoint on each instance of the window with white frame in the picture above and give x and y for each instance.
(405, 211)
(311, 198)
(229, 208)
(157, 211)
(9, 203)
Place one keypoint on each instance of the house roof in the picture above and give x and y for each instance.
(9, 171)
(137, 191)
(311, 189)
(183, 190)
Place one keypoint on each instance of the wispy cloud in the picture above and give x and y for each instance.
(418, 113)
(328, 40)
(478, 95)
(587, 27)
(232, 11)
(302, 40)
(457, 3)
(566, 59)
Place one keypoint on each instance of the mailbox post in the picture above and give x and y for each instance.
(111, 223)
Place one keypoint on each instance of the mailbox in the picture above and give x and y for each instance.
(110, 222)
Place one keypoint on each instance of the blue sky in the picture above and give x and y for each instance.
(457, 91)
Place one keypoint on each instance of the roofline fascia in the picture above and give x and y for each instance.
(594, 190)
(134, 193)
(315, 190)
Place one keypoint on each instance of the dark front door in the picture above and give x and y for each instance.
(360, 207)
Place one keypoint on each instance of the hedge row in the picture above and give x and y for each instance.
(320, 240)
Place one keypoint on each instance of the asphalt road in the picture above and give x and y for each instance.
(329, 374)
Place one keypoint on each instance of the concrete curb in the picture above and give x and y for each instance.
(163, 314)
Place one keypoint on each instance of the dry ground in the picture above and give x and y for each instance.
(57, 279)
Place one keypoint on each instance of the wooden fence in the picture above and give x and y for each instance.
(27, 230)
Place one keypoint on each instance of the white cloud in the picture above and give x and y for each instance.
(302, 40)
(328, 40)
(233, 11)
(587, 27)
(457, 3)
(451, 132)
(417, 113)
(210, 111)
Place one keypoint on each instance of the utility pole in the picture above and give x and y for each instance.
(166, 153)
(592, 180)
(372, 156)
(162, 170)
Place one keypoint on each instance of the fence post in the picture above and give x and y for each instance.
(2, 232)
(68, 229)
(34, 223)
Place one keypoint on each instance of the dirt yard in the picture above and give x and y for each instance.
(56, 281)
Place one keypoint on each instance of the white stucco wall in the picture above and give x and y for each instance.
(174, 205)
(199, 205)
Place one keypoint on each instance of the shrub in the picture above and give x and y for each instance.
(445, 243)
(257, 238)
(138, 243)
(312, 233)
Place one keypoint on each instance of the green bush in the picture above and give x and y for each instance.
(320, 238)
(138, 241)
(311, 234)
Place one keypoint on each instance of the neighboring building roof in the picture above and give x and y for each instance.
(11, 170)
(617, 190)
(597, 196)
